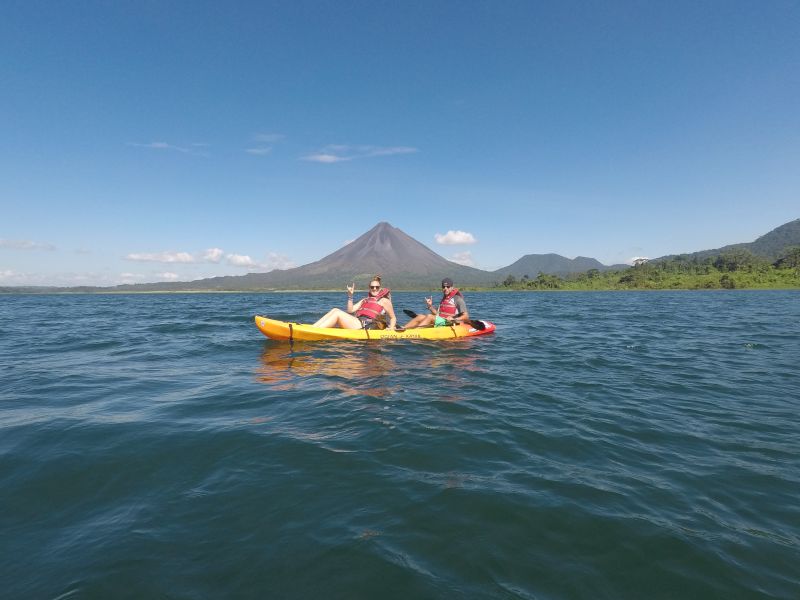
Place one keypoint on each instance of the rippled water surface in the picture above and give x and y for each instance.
(599, 445)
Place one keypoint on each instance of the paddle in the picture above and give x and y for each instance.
(475, 324)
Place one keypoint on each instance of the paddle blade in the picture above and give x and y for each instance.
(475, 324)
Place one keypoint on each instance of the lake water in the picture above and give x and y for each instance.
(599, 445)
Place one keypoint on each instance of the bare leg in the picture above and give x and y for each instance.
(414, 322)
(327, 319)
(420, 321)
(336, 317)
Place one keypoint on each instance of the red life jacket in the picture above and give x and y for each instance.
(371, 308)
(447, 307)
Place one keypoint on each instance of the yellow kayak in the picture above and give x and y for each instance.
(281, 330)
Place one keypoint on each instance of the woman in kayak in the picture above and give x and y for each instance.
(367, 313)
(452, 309)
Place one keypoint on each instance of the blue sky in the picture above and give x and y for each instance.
(154, 140)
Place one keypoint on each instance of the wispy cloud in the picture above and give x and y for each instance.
(375, 151)
(455, 238)
(131, 277)
(323, 157)
(25, 245)
(11, 277)
(265, 142)
(124, 278)
(278, 261)
(159, 146)
(61, 279)
(162, 257)
(193, 149)
(463, 258)
(70, 279)
(261, 151)
(335, 153)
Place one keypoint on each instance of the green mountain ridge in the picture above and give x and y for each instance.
(406, 263)
(770, 245)
(552, 264)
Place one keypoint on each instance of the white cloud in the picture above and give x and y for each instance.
(162, 257)
(334, 153)
(213, 255)
(7, 274)
(636, 259)
(25, 245)
(167, 276)
(272, 261)
(454, 238)
(240, 260)
(326, 158)
(278, 261)
(463, 258)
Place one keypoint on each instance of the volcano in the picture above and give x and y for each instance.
(383, 250)
(402, 261)
(390, 252)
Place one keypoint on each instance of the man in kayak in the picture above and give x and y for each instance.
(452, 309)
(367, 313)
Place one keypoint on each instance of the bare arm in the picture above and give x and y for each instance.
(462, 308)
(429, 302)
(350, 308)
(387, 306)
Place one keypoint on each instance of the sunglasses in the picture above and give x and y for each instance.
(446, 287)
(374, 287)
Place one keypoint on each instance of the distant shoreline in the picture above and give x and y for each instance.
(332, 291)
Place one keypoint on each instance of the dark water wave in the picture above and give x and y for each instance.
(598, 446)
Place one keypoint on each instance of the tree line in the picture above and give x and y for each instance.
(734, 269)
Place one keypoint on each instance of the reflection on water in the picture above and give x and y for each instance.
(375, 370)
(349, 368)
